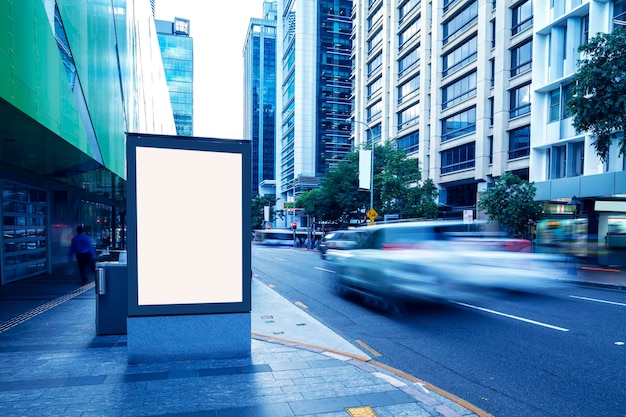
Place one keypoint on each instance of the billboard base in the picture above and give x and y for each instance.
(188, 337)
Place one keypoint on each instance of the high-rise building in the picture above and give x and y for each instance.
(73, 81)
(314, 87)
(177, 53)
(476, 88)
(260, 98)
(443, 81)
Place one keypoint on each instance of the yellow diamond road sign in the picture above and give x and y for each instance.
(371, 214)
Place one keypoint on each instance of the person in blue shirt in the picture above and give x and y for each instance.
(82, 247)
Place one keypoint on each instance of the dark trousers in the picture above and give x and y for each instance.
(84, 265)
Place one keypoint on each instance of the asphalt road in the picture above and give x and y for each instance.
(557, 354)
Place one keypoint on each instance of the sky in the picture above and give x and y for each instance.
(218, 29)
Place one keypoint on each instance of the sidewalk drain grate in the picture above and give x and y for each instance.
(43, 308)
(366, 411)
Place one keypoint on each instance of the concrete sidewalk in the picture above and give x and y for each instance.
(53, 364)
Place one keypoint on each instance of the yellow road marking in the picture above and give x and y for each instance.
(369, 349)
(300, 304)
(366, 411)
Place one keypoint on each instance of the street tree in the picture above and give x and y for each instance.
(398, 189)
(312, 202)
(338, 198)
(399, 185)
(598, 91)
(258, 209)
(510, 202)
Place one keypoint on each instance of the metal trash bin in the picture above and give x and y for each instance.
(111, 298)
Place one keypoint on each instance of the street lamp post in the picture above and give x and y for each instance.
(576, 203)
(369, 130)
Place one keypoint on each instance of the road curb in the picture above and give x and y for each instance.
(369, 361)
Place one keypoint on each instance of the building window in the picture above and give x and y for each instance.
(374, 110)
(410, 143)
(567, 160)
(375, 18)
(493, 33)
(447, 4)
(555, 103)
(374, 87)
(522, 17)
(375, 133)
(577, 160)
(459, 158)
(566, 94)
(408, 62)
(408, 117)
(490, 140)
(559, 161)
(584, 33)
(25, 230)
(619, 13)
(406, 9)
(375, 40)
(408, 33)
(459, 90)
(491, 111)
(558, 104)
(374, 64)
(458, 125)
(519, 142)
(409, 89)
(462, 55)
(460, 22)
(492, 69)
(521, 58)
(519, 101)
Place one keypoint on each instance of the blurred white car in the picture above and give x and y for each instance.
(439, 260)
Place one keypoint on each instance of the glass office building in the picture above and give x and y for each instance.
(314, 94)
(177, 52)
(74, 77)
(260, 98)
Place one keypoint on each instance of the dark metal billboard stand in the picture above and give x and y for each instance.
(189, 270)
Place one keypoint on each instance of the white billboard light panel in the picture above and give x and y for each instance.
(188, 251)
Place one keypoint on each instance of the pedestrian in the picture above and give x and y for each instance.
(82, 246)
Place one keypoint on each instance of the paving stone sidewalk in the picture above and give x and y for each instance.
(53, 364)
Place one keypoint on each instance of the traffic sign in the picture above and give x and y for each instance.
(371, 214)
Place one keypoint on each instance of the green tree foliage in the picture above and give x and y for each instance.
(598, 91)
(398, 189)
(510, 202)
(338, 198)
(258, 213)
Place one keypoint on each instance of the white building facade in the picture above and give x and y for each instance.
(476, 88)
(564, 165)
(449, 81)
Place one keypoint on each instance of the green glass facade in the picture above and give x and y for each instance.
(72, 83)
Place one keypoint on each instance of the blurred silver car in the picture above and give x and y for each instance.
(341, 240)
(438, 260)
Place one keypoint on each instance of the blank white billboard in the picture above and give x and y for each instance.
(189, 226)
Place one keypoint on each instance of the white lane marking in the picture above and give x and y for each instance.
(599, 301)
(325, 270)
(538, 323)
(279, 259)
